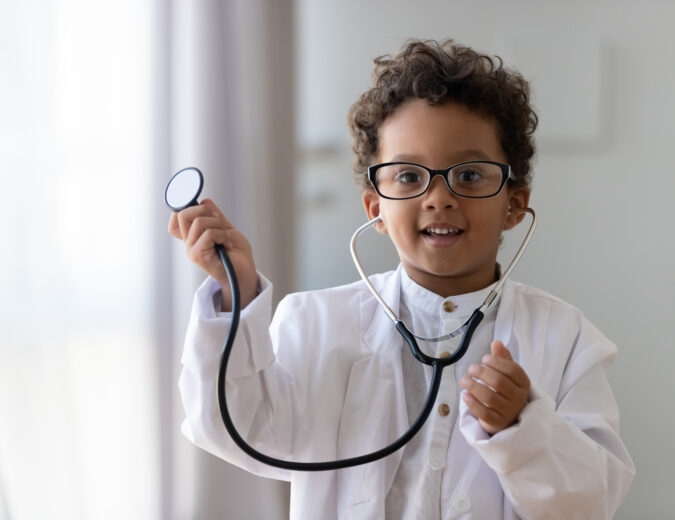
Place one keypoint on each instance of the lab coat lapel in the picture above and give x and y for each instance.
(375, 411)
(524, 331)
(504, 318)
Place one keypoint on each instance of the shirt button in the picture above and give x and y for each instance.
(461, 503)
(443, 409)
(444, 354)
(449, 306)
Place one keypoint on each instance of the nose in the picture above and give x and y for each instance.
(439, 196)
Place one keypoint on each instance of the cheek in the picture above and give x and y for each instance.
(397, 217)
(496, 217)
(491, 224)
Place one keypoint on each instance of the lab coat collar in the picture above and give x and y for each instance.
(389, 286)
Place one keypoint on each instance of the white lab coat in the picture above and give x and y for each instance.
(331, 350)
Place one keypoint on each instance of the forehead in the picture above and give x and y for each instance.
(438, 135)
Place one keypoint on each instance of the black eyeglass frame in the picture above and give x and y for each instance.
(505, 168)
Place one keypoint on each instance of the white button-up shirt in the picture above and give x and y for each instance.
(421, 488)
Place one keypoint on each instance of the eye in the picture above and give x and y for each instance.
(469, 175)
(408, 177)
(477, 179)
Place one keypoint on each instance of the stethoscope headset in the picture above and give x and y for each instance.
(183, 191)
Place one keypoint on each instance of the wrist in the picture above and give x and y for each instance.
(247, 293)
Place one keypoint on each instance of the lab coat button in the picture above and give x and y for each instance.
(461, 503)
(449, 306)
(444, 354)
(443, 409)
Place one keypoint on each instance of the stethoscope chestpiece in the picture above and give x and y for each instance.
(184, 189)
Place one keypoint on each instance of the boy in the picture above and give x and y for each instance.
(534, 434)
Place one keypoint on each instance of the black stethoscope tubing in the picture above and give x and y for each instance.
(436, 364)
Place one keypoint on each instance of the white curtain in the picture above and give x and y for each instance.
(78, 381)
(99, 103)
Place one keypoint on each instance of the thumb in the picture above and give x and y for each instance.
(499, 350)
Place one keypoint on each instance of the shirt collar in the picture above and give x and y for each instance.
(418, 299)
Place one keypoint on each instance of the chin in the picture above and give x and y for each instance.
(442, 271)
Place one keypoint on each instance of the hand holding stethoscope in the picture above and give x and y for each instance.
(200, 226)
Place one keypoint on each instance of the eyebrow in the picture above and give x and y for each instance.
(464, 155)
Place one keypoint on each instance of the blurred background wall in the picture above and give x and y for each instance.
(100, 103)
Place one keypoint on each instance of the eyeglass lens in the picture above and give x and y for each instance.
(403, 180)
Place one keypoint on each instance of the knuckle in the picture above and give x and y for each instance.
(500, 424)
(193, 255)
(490, 379)
(474, 387)
(184, 223)
(183, 215)
(491, 399)
(199, 224)
(501, 386)
(213, 236)
(491, 375)
(174, 231)
(513, 371)
(480, 395)
(495, 419)
(201, 257)
(491, 421)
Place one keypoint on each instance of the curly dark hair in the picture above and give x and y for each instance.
(438, 73)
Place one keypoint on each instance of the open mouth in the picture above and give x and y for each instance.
(443, 232)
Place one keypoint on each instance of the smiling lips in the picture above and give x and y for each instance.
(441, 235)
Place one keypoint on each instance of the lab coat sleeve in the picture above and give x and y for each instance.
(249, 374)
(563, 459)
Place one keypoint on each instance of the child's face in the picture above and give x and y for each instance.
(437, 137)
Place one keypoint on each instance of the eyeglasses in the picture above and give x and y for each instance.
(472, 179)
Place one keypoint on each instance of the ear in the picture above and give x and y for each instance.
(371, 203)
(518, 198)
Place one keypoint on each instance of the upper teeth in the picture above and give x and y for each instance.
(441, 231)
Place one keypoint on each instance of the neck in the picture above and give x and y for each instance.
(452, 285)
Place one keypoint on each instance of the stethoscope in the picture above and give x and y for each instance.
(183, 190)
